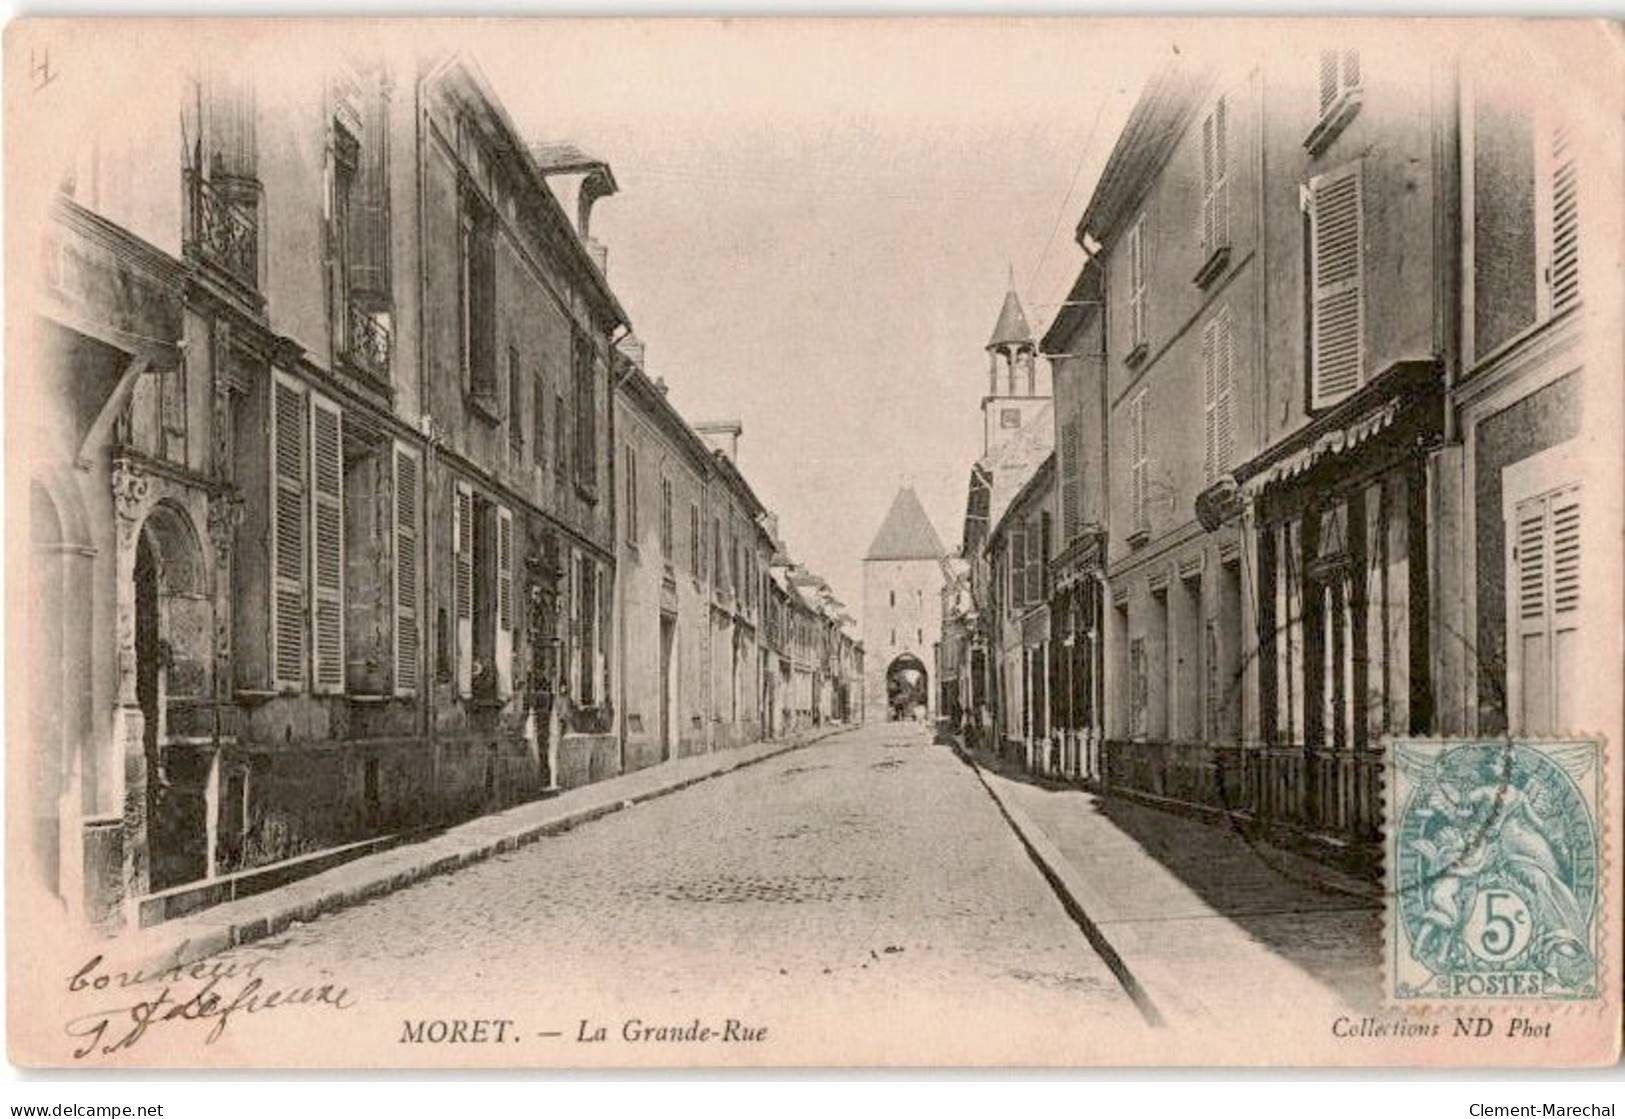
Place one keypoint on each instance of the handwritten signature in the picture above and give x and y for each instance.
(200, 992)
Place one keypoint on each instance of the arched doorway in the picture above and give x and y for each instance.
(173, 635)
(907, 688)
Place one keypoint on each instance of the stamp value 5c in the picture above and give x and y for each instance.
(1494, 870)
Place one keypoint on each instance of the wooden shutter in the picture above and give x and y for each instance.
(1137, 455)
(1210, 398)
(406, 570)
(1224, 389)
(1215, 180)
(1564, 270)
(1136, 266)
(1018, 566)
(538, 425)
(505, 603)
(463, 553)
(288, 561)
(1545, 607)
(369, 204)
(1329, 84)
(327, 538)
(1336, 238)
(1035, 565)
(1071, 481)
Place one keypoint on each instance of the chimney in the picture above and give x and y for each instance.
(722, 435)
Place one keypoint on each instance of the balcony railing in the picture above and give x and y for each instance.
(368, 343)
(223, 225)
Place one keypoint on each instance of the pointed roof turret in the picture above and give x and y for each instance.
(906, 533)
(1012, 328)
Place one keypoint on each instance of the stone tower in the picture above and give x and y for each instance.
(1014, 392)
(902, 610)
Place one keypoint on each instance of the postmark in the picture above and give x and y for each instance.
(1494, 856)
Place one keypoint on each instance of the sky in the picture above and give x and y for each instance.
(816, 222)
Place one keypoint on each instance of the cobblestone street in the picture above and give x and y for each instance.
(871, 869)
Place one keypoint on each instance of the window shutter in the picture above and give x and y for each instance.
(1071, 480)
(1210, 398)
(505, 604)
(1546, 607)
(1226, 405)
(1221, 178)
(369, 205)
(1018, 566)
(463, 547)
(1136, 262)
(1207, 184)
(538, 426)
(406, 570)
(288, 535)
(1142, 520)
(1328, 80)
(327, 535)
(1565, 263)
(1336, 244)
(1035, 565)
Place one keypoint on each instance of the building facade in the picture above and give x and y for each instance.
(1320, 390)
(1019, 552)
(329, 462)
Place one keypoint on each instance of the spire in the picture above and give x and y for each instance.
(1012, 328)
(906, 533)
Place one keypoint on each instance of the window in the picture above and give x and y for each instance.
(1337, 326)
(1137, 461)
(1009, 418)
(1543, 594)
(1558, 238)
(695, 560)
(1339, 79)
(584, 365)
(1215, 181)
(631, 495)
(894, 599)
(665, 519)
(477, 302)
(360, 208)
(538, 428)
(1218, 386)
(516, 407)
(1136, 289)
(561, 448)
(483, 551)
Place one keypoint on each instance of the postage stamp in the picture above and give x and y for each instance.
(1493, 862)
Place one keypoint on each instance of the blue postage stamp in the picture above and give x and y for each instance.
(1494, 852)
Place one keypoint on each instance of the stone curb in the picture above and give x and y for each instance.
(185, 941)
(1153, 988)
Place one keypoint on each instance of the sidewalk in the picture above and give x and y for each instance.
(185, 940)
(1199, 917)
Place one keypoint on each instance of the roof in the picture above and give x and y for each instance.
(1012, 328)
(906, 533)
